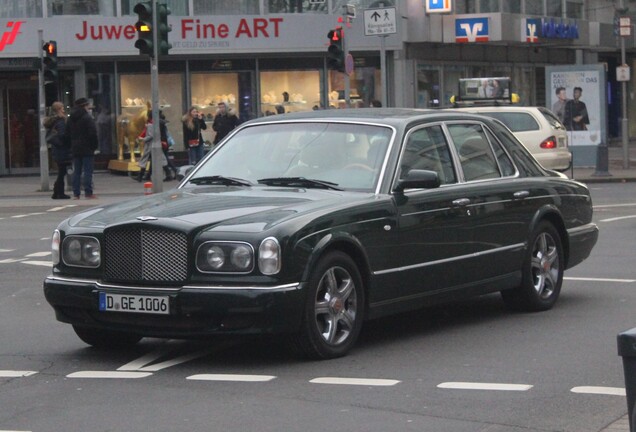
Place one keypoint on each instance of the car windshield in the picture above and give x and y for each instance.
(347, 155)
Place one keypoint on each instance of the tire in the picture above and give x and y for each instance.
(334, 309)
(106, 339)
(542, 272)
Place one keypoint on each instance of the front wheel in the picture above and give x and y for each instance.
(106, 339)
(542, 273)
(334, 309)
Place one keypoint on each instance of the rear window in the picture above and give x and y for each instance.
(552, 119)
(516, 121)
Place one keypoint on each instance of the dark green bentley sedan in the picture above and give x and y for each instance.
(306, 225)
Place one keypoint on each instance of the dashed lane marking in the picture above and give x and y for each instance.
(231, 377)
(7, 250)
(354, 381)
(600, 280)
(11, 260)
(38, 254)
(38, 263)
(108, 374)
(618, 218)
(611, 391)
(26, 215)
(614, 205)
(61, 208)
(16, 373)
(484, 386)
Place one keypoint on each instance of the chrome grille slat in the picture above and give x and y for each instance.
(142, 254)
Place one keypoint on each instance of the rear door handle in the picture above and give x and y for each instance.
(521, 194)
(461, 202)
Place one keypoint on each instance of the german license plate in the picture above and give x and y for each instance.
(134, 303)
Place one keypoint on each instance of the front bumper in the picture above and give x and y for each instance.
(196, 310)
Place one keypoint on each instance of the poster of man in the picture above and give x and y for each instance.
(582, 118)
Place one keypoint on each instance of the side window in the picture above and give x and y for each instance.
(505, 164)
(475, 154)
(427, 149)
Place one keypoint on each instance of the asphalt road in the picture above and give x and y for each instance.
(469, 366)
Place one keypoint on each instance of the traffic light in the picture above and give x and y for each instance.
(144, 28)
(50, 62)
(336, 52)
(162, 22)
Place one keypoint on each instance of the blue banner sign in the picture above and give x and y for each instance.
(472, 30)
(550, 29)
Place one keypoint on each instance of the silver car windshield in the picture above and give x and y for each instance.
(345, 154)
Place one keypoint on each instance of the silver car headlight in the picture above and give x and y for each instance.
(269, 260)
(225, 257)
(81, 251)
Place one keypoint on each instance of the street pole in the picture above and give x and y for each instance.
(44, 151)
(624, 124)
(156, 152)
(385, 94)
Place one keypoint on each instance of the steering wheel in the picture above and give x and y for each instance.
(358, 165)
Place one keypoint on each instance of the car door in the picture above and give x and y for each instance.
(434, 224)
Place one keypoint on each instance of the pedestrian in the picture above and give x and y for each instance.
(148, 137)
(226, 120)
(55, 126)
(193, 124)
(81, 132)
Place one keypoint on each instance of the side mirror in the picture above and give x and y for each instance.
(418, 179)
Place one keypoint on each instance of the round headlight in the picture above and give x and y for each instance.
(92, 253)
(241, 257)
(74, 251)
(215, 257)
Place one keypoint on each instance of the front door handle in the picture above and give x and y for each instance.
(521, 194)
(461, 202)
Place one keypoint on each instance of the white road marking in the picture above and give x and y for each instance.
(108, 374)
(15, 373)
(7, 250)
(614, 205)
(618, 218)
(39, 254)
(39, 263)
(612, 391)
(175, 361)
(231, 377)
(26, 215)
(11, 260)
(61, 208)
(45, 238)
(354, 381)
(600, 280)
(139, 363)
(484, 386)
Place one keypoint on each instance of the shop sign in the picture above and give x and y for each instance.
(8, 37)
(471, 30)
(537, 28)
(439, 6)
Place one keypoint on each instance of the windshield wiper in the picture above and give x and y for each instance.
(299, 182)
(221, 180)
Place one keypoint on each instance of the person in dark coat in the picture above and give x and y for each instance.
(224, 122)
(193, 124)
(82, 133)
(55, 126)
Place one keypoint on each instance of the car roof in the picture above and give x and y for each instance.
(484, 108)
(390, 116)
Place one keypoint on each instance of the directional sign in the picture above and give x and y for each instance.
(439, 6)
(379, 21)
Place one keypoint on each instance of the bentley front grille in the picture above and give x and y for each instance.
(136, 254)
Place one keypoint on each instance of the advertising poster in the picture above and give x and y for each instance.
(576, 94)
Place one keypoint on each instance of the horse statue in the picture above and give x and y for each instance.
(128, 129)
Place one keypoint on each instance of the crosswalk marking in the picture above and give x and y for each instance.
(39, 254)
(16, 373)
(231, 377)
(108, 374)
(484, 386)
(38, 263)
(354, 381)
(611, 391)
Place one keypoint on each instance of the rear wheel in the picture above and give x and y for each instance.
(108, 339)
(334, 309)
(542, 273)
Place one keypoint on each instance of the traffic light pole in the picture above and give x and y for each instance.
(156, 159)
(44, 151)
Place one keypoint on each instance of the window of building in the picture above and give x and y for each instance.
(20, 8)
(489, 6)
(574, 9)
(534, 7)
(427, 87)
(226, 7)
(177, 7)
(554, 8)
(511, 7)
(295, 6)
(81, 7)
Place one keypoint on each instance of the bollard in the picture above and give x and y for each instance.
(148, 188)
(602, 161)
(627, 349)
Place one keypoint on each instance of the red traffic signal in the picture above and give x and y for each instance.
(336, 52)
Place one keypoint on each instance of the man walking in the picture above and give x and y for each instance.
(224, 121)
(82, 132)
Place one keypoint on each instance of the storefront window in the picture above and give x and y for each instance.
(226, 7)
(289, 91)
(135, 100)
(295, 6)
(365, 84)
(81, 7)
(100, 86)
(208, 90)
(21, 9)
(427, 88)
(177, 7)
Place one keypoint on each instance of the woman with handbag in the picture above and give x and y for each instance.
(193, 124)
(55, 126)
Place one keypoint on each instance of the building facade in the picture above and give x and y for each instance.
(263, 56)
